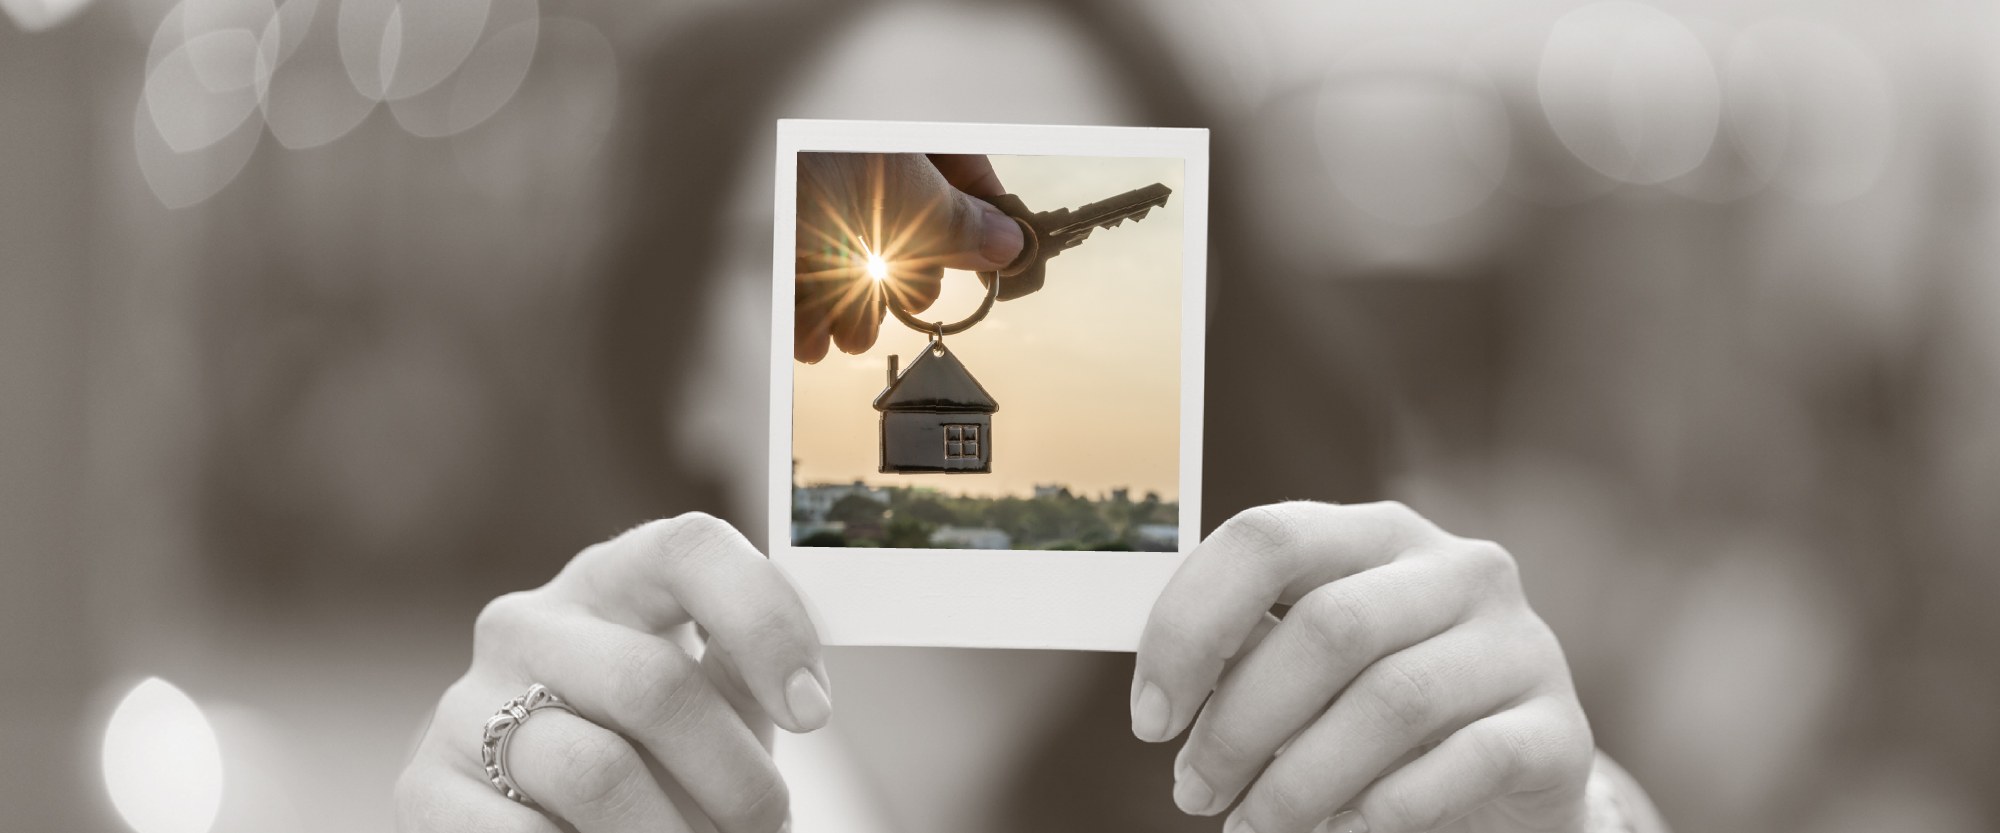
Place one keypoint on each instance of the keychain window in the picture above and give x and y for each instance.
(961, 441)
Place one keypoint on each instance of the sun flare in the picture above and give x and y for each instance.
(852, 261)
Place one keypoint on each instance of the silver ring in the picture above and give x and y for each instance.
(500, 732)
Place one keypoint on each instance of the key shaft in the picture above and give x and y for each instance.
(1050, 233)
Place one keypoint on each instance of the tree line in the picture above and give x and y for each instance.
(1061, 521)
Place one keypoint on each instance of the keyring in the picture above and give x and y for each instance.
(939, 329)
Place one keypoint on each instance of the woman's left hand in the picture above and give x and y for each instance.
(1409, 685)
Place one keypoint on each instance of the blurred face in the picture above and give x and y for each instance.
(944, 724)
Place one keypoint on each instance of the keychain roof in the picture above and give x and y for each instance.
(935, 381)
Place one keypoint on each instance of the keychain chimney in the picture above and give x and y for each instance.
(892, 369)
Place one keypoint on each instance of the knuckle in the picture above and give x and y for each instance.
(599, 774)
(1537, 754)
(1573, 750)
(1221, 749)
(1490, 563)
(657, 687)
(586, 561)
(1334, 620)
(966, 220)
(1404, 698)
(1177, 642)
(466, 689)
(1268, 527)
(1516, 751)
(768, 806)
(1285, 799)
(694, 529)
(500, 621)
(1172, 625)
(693, 539)
(1398, 520)
(771, 623)
(1395, 512)
(1393, 809)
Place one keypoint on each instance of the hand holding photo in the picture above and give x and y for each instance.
(957, 268)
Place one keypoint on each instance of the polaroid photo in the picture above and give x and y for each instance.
(975, 454)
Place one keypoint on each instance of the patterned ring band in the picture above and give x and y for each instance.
(500, 731)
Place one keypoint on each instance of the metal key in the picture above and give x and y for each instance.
(1049, 233)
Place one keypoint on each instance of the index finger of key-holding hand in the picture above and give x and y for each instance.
(695, 566)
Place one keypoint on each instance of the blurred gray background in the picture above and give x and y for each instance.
(321, 322)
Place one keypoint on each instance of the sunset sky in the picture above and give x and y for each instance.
(1086, 370)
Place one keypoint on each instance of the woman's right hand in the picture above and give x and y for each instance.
(661, 740)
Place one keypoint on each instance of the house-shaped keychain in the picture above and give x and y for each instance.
(935, 417)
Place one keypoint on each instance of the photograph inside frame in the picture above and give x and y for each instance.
(987, 353)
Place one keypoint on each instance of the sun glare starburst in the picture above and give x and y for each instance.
(853, 257)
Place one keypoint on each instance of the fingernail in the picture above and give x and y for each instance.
(808, 700)
(1000, 239)
(1236, 824)
(1346, 821)
(1149, 714)
(1192, 794)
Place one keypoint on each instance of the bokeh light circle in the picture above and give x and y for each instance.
(1630, 91)
(565, 109)
(435, 37)
(1831, 107)
(308, 99)
(1412, 134)
(395, 49)
(40, 15)
(363, 28)
(223, 70)
(191, 111)
(162, 763)
(191, 127)
(489, 78)
(179, 179)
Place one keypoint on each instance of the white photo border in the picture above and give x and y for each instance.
(985, 598)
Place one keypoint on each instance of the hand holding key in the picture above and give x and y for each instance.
(877, 230)
(1050, 233)
(874, 225)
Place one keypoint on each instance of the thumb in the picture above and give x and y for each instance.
(979, 237)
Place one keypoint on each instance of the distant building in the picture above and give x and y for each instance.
(1121, 495)
(972, 538)
(1157, 537)
(1051, 490)
(809, 503)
